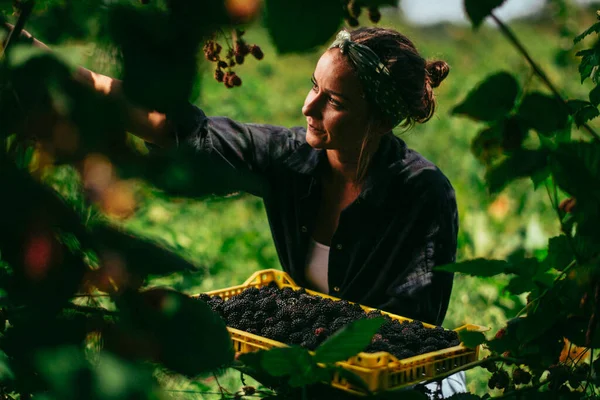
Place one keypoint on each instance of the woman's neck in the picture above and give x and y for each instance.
(342, 169)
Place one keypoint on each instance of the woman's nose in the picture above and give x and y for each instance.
(311, 105)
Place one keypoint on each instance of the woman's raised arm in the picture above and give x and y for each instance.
(150, 125)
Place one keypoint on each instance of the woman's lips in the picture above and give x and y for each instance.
(316, 129)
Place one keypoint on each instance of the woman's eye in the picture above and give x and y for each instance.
(335, 102)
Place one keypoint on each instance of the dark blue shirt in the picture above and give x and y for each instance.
(403, 223)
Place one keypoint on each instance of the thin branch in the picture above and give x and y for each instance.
(25, 9)
(539, 72)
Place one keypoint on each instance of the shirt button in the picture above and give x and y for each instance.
(304, 229)
(336, 289)
(338, 246)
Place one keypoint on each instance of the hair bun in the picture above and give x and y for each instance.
(437, 71)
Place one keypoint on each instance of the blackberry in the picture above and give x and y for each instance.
(379, 345)
(253, 331)
(251, 292)
(310, 343)
(256, 52)
(374, 14)
(248, 315)
(267, 304)
(339, 323)
(321, 322)
(374, 314)
(427, 349)
(233, 317)
(520, 377)
(288, 292)
(204, 297)
(404, 353)
(270, 321)
(431, 341)
(260, 316)
(296, 338)
(298, 324)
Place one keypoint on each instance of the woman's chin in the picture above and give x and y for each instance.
(316, 141)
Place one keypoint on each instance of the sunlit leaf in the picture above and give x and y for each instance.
(491, 100)
(286, 360)
(471, 339)
(348, 341)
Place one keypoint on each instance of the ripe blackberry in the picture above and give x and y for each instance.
(219, 74)
(427, 349)
(404, 353)
(256, 52)
(233, 317)
(522, 377)
(204, 297)
(321, 322)
(251, 292)
(270, 321)
(355, 8)
(296, 338)
(297, 325)
(431, 341)
(222, 64)
(267, 304)
(248, 315)
(310, 343)
(379, 345)
(239, 59)
(374, 14)
(260, 316)
(374, 314)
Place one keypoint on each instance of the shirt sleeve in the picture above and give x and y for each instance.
(420, 292)
(227, 156)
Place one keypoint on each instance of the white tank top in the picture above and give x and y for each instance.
(317, 262)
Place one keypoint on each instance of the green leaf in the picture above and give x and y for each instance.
(348, 341)
(576, 168)
(286, 360)
(181, 332)
(6, 373)
(476, 267)
(471, 339)
(560, 253)
(323, 16)
(478, 10)
(521, 163)
(595, 95)
(491, 100)
(595, 28)
(543, 113)
(140, 256)
(582, 111)
(590, 58)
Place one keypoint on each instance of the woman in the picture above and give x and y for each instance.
(353, 212)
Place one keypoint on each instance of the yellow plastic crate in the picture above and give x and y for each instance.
(380, 371)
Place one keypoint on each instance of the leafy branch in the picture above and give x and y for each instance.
(538, 70)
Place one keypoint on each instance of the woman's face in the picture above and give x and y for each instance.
(335, 109)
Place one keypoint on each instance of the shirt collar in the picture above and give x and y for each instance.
(387, 161)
